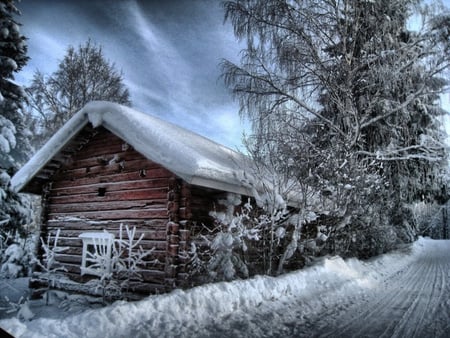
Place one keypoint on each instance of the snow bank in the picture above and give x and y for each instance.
(179, 312)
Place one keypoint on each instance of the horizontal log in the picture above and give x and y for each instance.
(153, 276)
(72, 259)
(150, 189)
(63, 182)
(140, 287)
(72, 223)
(130, 184)
(101, 158)
(148, 234)
(102, 206)
(72, 268)
(159, 254)
(156, 245)
(101, 164)
(106, 168)
(147, 276)
(130, 195)
(110, 147)
(148, 288)
(147, 244)
(116, 214)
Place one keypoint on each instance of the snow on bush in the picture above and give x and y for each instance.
(129, 257)
(253, 239)
(232, 232)
(12, 261)
(15, 237)
(22, 309)
(127, 261)
(16, 258)
(117, 270)
(49, 265)
(15, 209)
(430, 219)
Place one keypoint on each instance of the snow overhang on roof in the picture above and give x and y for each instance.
(192, 157)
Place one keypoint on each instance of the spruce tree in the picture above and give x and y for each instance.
(14, 208)
(14, 145)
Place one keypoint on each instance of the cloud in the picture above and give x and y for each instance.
(178, 72)
(168, 51)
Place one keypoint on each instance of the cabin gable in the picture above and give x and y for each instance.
(107, 183)
(110, 165)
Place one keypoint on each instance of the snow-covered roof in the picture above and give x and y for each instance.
(192, 157)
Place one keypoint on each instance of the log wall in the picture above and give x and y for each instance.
(103, 185)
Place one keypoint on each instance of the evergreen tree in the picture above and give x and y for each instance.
(15, 209)
(14, 145)
(387, 101)
(15, 212)
(83, 75)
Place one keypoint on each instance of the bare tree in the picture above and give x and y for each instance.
(82, 76)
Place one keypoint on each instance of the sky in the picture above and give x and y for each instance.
(169, 53)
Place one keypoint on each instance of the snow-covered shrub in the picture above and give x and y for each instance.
(431, 219)
(7, 135)
(258, 238)
(128, 257)
(197, 266)
(21, 307)
(17, 258)
(15, 209)
(228, 243)
(109, 287)
(16, 238)
(404, 224)
(365, 240)
(12, 261)
(126, 260)
(49, 266)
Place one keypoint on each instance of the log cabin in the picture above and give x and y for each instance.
(111, 165)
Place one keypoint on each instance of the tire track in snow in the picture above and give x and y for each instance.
(426, 296)
(438, 323)
(411, 321)
(405, 307)
(357, 321)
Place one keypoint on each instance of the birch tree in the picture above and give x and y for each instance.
(82, 76)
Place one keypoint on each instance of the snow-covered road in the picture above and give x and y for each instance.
(401, 294)
(414, 302)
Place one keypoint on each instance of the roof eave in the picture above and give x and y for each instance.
(220, 185)
(52, 147)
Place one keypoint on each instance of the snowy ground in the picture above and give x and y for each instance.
(402, 294)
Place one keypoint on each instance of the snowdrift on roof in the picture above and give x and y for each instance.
(192, 157)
